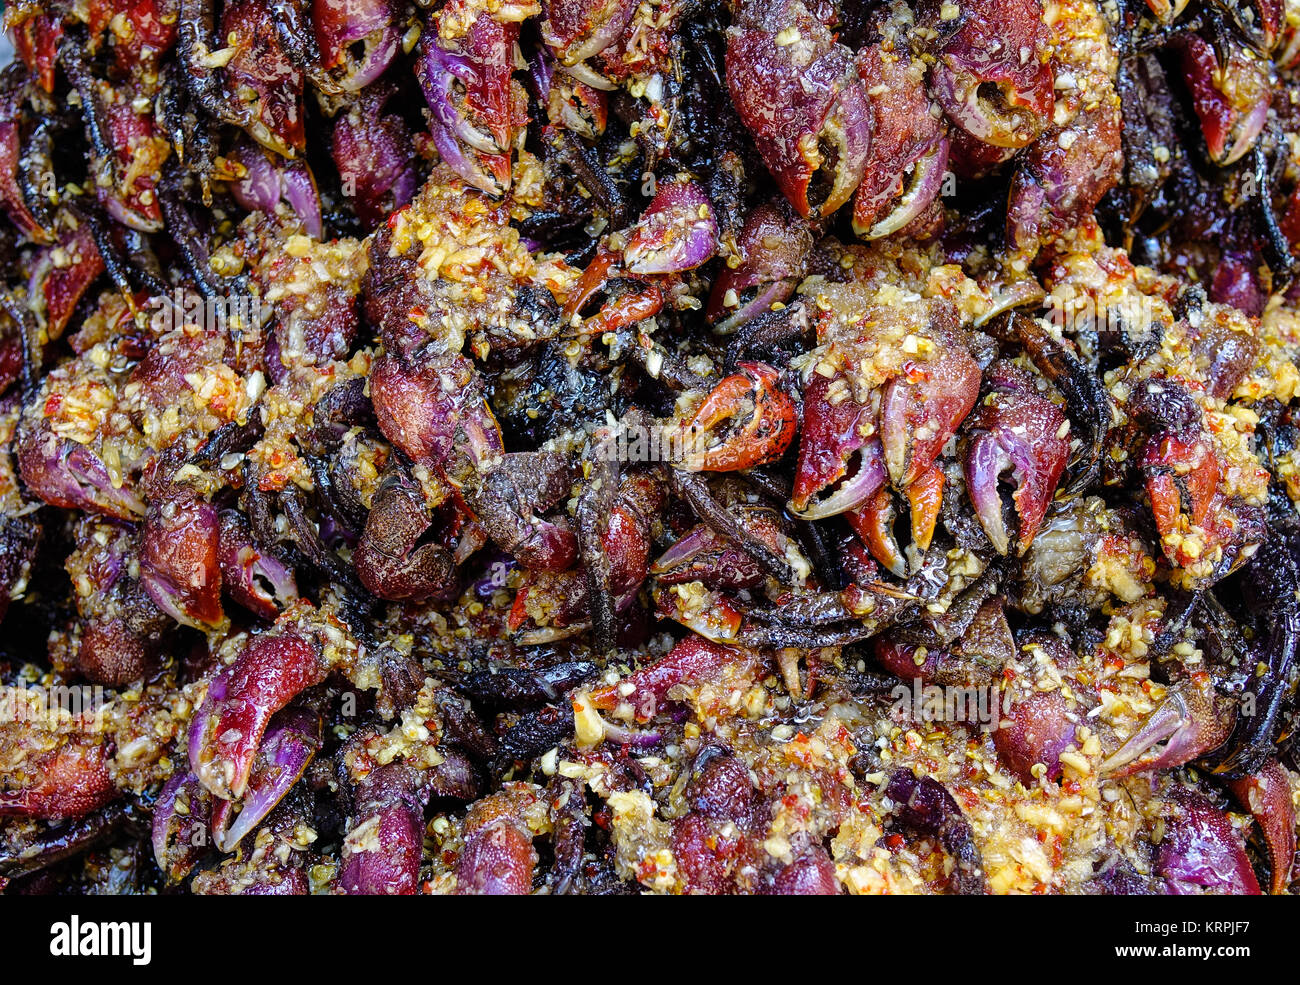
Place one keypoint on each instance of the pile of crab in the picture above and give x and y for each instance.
(688, 446)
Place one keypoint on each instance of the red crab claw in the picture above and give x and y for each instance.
(498, 860)
(435, 412)
(702, 554)
(839, 469)
(1200, 528)
(756, 439)
(291, 741)
(993, 77)
(228, 727)
(874, 524)
(69, 475)
(1188, 723)
(36, 42)
(921, 409)
(570, 104)
(798, 94)
(375, 157)
(11, 196)
(1166, 10)
(261, 78)
(694, 660)
(1064, 175)
(64, 272)
(907, 138)
(182, 815)
(1231, 101)
(65, 775)
(677, 231)
(255, 579)
(1017, 430)
(341, 25)
(1201, 852)
(150, 31)
(395, 558)
(477, 107)
(773, 246)
(1267, 795)
(580, 29)
(179, 558)
(269, 180)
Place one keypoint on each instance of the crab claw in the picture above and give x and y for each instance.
(1063, 176)
(11, 196)
(477, 107)
(435, 412)
(385, 839)
(255, 579)
(131, 198)
(839, 469)
(993, 76)
(1015, 429)
(64, 272)
(773, 246)
(1201, 529)
(228, 727)
(874, 523)
(269, 180)
(375, 157)
(704, 555)
(1186, 724)
(1267, 795)
(925, 496)
(181, 817)
(67, 474)
(756, 439)
(1202, 852)
(803, 103)
(179, 566)
(694, 660)
(511, 499)
(677, 232)
(65, 774)
(292, 739)
(921, 409)
(36, 42)
(262, 79)
(340, 25)
(580, 29)
(1231, 100)
(907, 137)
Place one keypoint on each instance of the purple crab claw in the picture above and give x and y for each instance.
(290, 743)
(773, 246)
(678, 231)
(1015, 430)
(67, 474)
(1187, 724)
(924, 185)
(1201, 852)
(181, 818)
(227, 729)
(510, 502)
(383, 846)
(270, 179)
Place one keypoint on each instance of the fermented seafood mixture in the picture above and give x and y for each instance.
(649, 446)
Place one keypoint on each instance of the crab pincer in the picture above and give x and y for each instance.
(228, 727)
(1267, 795)
(1018, 430)
(993, 76)
(762, 420)
(797, 91)
(1201, 852)
(1231, 98)
(773, 245)
(1191, 721)
(466, 69)
(839, 468)
(180, 558)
